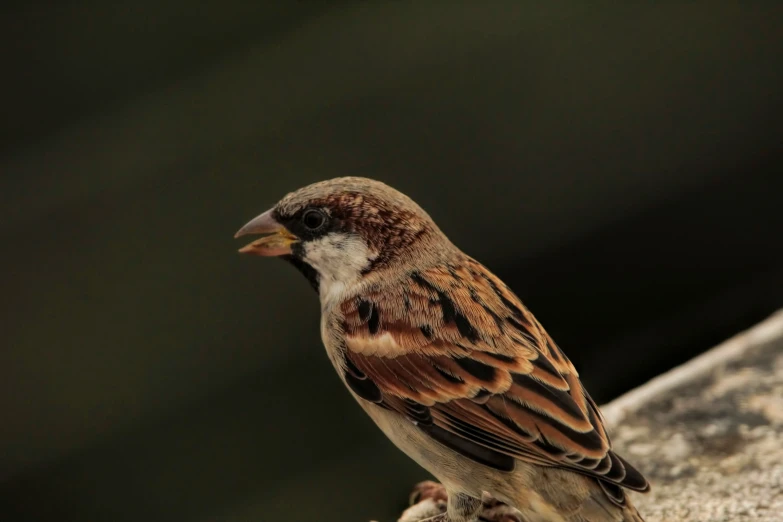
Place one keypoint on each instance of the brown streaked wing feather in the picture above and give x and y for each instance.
(454, 350)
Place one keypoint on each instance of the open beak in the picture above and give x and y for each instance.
(278, 243)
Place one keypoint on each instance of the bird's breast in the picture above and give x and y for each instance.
(331, 336)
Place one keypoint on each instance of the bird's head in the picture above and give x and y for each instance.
(347, 230)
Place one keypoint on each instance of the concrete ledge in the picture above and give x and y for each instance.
(708, 435)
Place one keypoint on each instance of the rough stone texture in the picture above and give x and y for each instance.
(712, 446)
(708, 435)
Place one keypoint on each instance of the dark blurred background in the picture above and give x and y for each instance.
(619, 167)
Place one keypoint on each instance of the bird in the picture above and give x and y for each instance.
(444, 357)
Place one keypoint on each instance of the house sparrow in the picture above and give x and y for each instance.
(445, 359)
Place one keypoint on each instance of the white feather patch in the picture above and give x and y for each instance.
(382, 345)
(339, 260)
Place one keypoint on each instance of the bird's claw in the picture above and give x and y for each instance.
(493, 510)
(428, 502)
(425, 490)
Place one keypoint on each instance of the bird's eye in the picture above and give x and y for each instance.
(313, 219)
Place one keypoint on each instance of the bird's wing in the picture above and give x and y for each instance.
(455, 351)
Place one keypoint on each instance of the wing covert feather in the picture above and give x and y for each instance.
(454, 350)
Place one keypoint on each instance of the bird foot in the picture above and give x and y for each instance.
(493, 510)
(428, 502)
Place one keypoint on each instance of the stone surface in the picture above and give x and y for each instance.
(712, 445)
(708, 435)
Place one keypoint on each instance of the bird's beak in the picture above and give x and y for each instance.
(278, 243)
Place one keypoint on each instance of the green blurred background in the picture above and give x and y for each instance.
(618, 166)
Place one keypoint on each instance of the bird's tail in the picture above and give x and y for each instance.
(630, 513)
(596, 506)
(610, 513)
